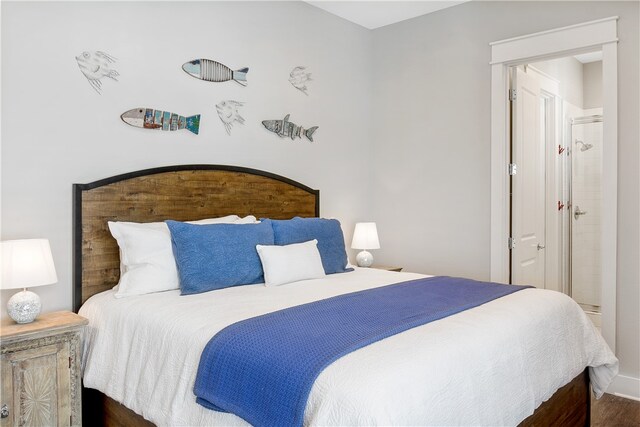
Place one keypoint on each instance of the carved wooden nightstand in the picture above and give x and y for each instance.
(41, 371)
(386, 267)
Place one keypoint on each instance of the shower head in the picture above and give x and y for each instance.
(584, 147)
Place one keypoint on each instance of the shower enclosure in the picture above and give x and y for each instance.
(583, 216)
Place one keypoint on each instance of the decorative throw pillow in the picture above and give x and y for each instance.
(147, 264)
(290, 263)
(326, 231)
(218, 256)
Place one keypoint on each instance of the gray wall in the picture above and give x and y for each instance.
(404, 116)
(592, 83)
(57, 131)
(431, 119)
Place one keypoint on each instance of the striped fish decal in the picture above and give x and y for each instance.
(284, 128)
(149, 118)
(212, 71)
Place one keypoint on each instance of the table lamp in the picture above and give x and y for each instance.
(365, 237)
(26, 264)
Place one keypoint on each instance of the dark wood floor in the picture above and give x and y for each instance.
(614, 411)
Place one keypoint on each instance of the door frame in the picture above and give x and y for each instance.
(584, 37)
(551, 95)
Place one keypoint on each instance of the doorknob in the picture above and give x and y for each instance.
(540, 246)
(578, 212)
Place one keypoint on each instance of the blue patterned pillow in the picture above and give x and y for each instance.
(326, 231)
(218, 256)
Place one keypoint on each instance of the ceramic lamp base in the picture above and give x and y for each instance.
(364, 259)
(24, 306)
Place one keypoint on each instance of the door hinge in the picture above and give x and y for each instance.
(513, 94)
(512, 243)
(513, 169)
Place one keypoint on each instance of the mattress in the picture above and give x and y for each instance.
(491, 365)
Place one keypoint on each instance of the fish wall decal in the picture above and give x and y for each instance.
(299, 78)
(149, 118)
(212, 71)
(285, 128)
(96, 65)
(228, 113)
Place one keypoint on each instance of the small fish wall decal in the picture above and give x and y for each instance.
(285, 128)
(212, 71)
(299, 78)
(149, 118)
(95, 66)
(228, 113)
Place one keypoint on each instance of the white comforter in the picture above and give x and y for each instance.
(491, 365)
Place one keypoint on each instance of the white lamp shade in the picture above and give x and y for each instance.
(365, 236)
(26, 263)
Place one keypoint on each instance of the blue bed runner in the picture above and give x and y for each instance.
(262, 369)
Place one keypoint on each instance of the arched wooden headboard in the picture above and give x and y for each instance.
(183, 193)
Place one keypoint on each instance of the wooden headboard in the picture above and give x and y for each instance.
(183, 193)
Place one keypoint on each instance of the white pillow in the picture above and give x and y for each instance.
(290, 263)
(249, 219)
(147, 264)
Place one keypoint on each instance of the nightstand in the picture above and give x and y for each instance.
(386, 267)
(40, 365)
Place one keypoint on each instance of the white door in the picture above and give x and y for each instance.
(527, 184)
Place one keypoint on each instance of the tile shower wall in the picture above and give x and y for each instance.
(586, 195)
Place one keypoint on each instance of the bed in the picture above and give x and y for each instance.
(123, 386)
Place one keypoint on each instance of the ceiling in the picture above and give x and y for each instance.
(585, 58)
(375, 14)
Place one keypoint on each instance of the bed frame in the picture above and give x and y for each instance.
(192, 192)
(183, 193)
